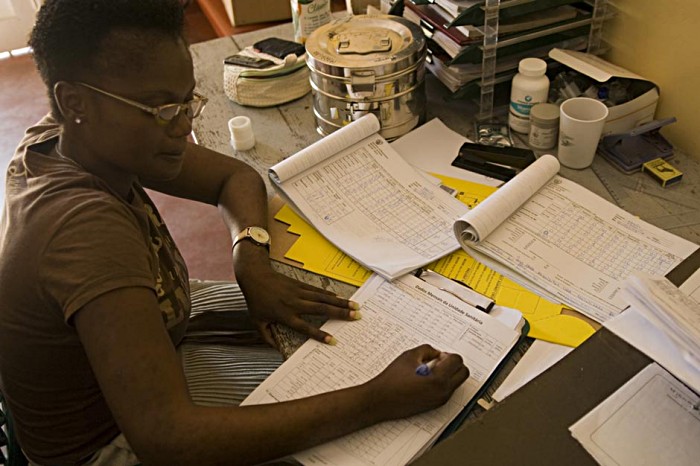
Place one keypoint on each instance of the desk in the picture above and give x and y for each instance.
(530, 427)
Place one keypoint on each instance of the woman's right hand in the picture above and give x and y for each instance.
(399, 391)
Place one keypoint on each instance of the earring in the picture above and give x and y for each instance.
(78, 121)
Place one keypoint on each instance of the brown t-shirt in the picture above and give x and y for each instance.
(65, 239)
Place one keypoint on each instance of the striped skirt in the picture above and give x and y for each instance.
(223, 356)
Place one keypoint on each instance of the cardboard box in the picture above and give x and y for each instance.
(621, 117)
(242, 12)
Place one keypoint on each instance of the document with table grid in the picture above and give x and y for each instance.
(564, 242)
(396, 316)
(651, 420)
(365, 199)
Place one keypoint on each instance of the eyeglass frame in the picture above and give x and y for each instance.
(155, 111)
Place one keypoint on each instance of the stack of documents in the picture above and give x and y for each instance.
(396, 316)
(663, 324)
(455, 45)
(668, 309)
(357, 191)
(563, 242)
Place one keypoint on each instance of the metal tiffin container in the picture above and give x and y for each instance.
(368, 64)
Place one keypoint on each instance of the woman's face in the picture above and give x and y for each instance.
(126, 141)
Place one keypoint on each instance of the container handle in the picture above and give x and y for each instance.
(363, 44)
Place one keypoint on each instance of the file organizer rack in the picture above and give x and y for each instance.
(492, 10)
(490, 13)
(488, 60)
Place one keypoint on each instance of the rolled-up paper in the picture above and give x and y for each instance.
(480, 221)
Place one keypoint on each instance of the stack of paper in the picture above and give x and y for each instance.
(656, 343)
(355, 189)
(396, 316)
(548, 320)
(561, 241)
(455, 47)
(668, 309)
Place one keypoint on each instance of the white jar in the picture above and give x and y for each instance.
(530, 86)
(544, 126)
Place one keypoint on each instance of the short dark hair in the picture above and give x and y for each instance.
(69, 35)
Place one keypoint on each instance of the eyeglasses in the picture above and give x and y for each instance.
(162, 113)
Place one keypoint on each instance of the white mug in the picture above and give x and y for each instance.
(581, 123)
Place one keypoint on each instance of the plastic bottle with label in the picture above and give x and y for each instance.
(544, 126)
(309, 15)
(530, 86)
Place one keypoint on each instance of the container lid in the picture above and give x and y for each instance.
(363, 41)
(544, 113)
(532, 66)
(591, 65)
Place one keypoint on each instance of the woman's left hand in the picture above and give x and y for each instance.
(276, 298)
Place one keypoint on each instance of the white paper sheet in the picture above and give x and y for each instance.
(668, 309)
(477, 224)
(432, 148)
(691, 286)
(538, 358)
(370, 203)
(651, 420)
(324, 148)
(572, 243)
(396, 316)
(633, 327)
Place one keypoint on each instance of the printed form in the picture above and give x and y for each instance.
(363, 197)
(396, 316)
(551, 234)
(653, 419)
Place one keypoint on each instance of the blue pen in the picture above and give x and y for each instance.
(426, 367)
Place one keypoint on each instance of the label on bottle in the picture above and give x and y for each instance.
(526, 91)
(522, 108)
(542, 137)
(309, 15)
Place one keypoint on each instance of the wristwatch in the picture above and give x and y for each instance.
(257, 235)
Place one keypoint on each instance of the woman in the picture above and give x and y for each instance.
(95, 294)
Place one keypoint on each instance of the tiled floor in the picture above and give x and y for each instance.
(197, 229)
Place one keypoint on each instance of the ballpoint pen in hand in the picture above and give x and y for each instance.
(427, 367)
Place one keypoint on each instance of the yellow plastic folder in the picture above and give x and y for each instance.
(316, 254)
(547, 322)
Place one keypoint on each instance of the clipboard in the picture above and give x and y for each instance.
(480, 302)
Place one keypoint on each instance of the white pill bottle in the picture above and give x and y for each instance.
(530, 86)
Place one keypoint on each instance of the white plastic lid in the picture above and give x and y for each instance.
(532, 66)
(242, 137)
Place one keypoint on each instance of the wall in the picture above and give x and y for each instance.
(658, 40)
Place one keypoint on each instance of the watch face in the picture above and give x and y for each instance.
(259, 235)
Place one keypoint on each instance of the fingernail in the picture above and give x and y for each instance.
(355, 315)
(330, 340)
(353, 305)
